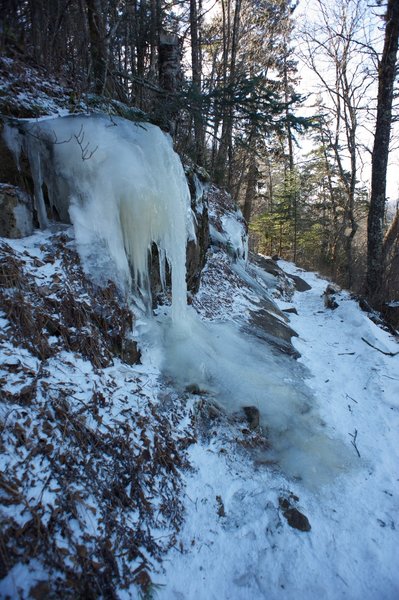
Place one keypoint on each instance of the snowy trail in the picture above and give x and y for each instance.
(236, 543)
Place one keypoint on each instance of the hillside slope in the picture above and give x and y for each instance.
(113, 477)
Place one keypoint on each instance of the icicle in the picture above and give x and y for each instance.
(124, 188)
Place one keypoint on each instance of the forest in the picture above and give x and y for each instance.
(288, 106)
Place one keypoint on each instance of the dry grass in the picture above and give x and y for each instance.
(90, 321)
(95, 499)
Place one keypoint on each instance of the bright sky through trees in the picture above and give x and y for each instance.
(366, 31)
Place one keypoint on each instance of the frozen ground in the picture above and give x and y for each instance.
(236, 543)
(72, 431)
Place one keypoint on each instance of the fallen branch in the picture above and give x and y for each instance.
(350, 398)
(379, 349)
(353, 442)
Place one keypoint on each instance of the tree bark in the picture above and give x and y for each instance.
(375, 226)
(196, 64)
(169, 78)
(250, 192)
(98, 46)
(223, 160)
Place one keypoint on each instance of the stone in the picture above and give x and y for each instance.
(332, 288)
(220, 506)
(267, 264)
(193, 388)
(300, 284)
(390, 312)
(330, 302)
(292, 310)
(329, 296)
(295, 518)
(266, 326)
(16, 215)
(131, 355)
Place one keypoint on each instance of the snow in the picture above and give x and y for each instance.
(352, 549)
(235, 542)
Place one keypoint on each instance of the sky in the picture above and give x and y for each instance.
(307, 14)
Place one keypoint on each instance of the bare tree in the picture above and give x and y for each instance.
(338, 53)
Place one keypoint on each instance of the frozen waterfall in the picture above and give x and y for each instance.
(123, 188)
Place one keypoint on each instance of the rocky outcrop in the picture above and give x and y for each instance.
(197, 249)
(266, 326)
(16, 217)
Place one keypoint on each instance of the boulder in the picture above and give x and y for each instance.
(270, 328)
(300, 284)
(131, 354)
(267, 264)
(292, 310)
(330, 296)
(16, 215)
(295, 518)
(390, 311)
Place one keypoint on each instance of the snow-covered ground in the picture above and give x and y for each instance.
(237, 544)
(227, 521)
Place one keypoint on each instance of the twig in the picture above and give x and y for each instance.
(353, 442)
(350, 398)
(379, 349)
(84, 147)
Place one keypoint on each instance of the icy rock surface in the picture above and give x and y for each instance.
(15, 212)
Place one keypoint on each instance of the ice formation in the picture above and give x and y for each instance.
(123, 188)
(235, 369)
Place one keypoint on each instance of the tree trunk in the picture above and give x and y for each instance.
(98, 45)
(391, 260)
(250, 192)
(223, 159)
(169, 77)
(375, 226)
(196, 65)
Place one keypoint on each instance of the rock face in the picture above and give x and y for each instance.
(252, 415)
(197, 249)
(16, 218)
(8, 169)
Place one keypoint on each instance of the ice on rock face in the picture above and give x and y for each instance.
(124, 189)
